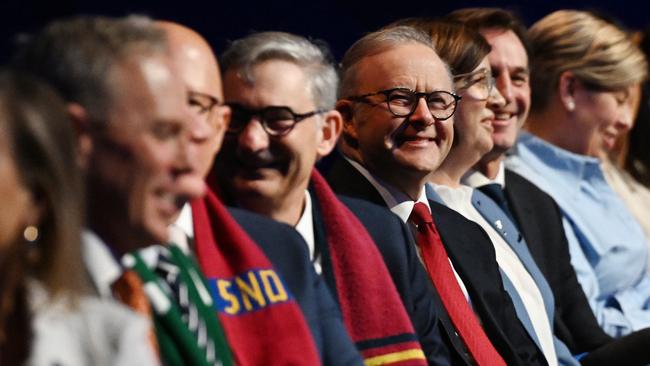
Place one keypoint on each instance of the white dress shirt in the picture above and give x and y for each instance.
(460, 199)
(92, 332)
(305, 227)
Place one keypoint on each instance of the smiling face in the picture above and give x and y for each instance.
(264, 171)
(509, 63)
(473, 119)
(139, 172)
(198, 69)
(400, 150)
(599, 118)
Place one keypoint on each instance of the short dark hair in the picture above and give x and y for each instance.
(492, 18)
(77, 55)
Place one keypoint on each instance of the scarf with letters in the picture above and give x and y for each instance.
(372, 310)
(262, 321)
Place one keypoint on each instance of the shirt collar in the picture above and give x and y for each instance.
(183, 229)
(581, 167)
(475, 178)
(305, 225)
(102, 266)
(452, 196)
(398, 202)
(184, 220)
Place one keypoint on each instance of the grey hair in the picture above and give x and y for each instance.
(77, 55)
(313, 57)
(378, 42)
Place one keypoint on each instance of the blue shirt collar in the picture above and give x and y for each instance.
(576, 166)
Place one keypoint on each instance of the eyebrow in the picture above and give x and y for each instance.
(525, 70)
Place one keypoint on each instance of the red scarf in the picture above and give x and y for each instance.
(262, 321)
(372, 310)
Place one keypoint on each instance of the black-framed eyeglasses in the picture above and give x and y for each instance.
(201, 103)
(478, 84)
(276, 120)
(402, 102)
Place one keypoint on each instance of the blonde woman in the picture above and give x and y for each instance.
(583, 73)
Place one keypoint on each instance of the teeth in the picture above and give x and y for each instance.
(502, 116)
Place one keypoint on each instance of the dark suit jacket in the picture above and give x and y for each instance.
(472, 254)
(540, 222)
(398, 251)
(286, 249)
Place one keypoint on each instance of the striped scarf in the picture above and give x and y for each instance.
(372, 310)
(261, 319)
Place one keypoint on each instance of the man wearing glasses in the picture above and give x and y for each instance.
(397, 102)
(282, 90)
(198, 69)
(534, 213)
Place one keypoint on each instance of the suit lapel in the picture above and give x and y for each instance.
(350, 182)
(523, 212)
(522, 313)
(510, 234)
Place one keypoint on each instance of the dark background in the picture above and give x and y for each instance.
(337, 22)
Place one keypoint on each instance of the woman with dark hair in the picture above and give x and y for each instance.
(466, 52)
(47, 315)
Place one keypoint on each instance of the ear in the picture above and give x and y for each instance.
(330, 130)
(344, 107)
(221, 125)
(37, 209)
(567, 86)
(82, 130)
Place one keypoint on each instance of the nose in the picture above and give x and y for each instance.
(422, 114)
(625, 119)
(253, 137)
(496, 100)
(504, 87)
(189, 181)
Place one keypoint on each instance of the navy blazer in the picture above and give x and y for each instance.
(396, 246)
(472, 254)
(287, 251)
(540, 222)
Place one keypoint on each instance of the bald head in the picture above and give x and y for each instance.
(196, 64)
(194, 59)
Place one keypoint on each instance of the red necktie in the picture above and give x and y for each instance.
(437, 264)
(129, 290)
